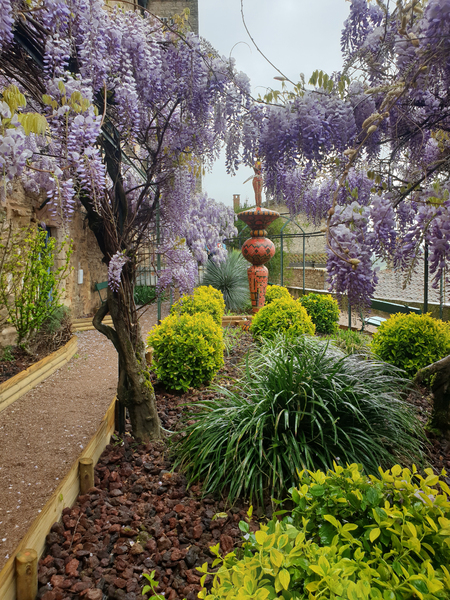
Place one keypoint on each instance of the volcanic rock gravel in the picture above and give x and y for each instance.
(140, 518)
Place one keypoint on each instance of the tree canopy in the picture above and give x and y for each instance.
(112, 111)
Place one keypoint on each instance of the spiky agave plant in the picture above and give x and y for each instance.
(300, 404)
(230, 277)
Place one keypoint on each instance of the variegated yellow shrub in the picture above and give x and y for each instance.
(349, 537)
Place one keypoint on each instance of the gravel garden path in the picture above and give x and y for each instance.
(43, 433)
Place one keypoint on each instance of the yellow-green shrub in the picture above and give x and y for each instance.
(273, 292)
(204, 299)
(349, 537)
(411, 342)
(323, 310)
(188, 350)
(284, 315)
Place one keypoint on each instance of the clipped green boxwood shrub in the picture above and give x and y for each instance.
(323, 310)
(273, 292)
(205, 299)
(284, 315)
(411, 342)
(188, 350)
(349, 537)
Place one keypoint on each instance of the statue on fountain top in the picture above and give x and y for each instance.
(258, 182)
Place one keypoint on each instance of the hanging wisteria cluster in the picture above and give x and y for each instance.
(371, 156)
(128, 104)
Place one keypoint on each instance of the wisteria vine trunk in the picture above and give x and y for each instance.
(134, 388)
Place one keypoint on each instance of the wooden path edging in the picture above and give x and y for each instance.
(64, 496)
(23, 382)
(85, 324)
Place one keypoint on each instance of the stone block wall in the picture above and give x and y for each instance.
(314, 278)
(168, 8)
(164, 9)
(24, 209)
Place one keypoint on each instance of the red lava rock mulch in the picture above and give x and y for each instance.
(139, 517)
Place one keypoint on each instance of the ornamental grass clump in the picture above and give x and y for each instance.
(188, 350)
(411, 342)
(323, 310)
(300, 403)
(274, 292)
(283, 315)
(205, 299)
(349, 536)
(230, 277)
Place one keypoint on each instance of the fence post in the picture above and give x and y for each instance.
(158, 262)
(425, 280)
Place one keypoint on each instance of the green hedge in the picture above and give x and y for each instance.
(284, 315)
(204, 299)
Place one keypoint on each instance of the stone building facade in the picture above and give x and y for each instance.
(164, 9)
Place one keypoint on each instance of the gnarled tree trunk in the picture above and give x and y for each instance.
(134, 388)
(441, 393)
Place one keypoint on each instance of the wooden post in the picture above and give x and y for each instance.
(26, 574)
(86, 474)
(149, 356)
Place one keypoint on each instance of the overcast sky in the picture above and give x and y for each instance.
(298, 36)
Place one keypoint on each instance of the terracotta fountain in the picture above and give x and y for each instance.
(258, 249)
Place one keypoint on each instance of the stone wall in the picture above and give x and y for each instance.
(314, 278)
(168, 8)
(82, 299)
(164, 9)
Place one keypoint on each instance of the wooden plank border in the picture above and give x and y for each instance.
(85, 324)
(23, 382)
(65, 495)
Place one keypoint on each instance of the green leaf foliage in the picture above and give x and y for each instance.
(274, 292)
(230, 277)
(30, 280)
(300, 403)
(323, 310)
(285, 316)
(188, 350)
(361, 538)
(204, 299)
(412, 342)
(144, 294)
(351, 342)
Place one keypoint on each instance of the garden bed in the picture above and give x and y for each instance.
(141, 518)
(16, 386)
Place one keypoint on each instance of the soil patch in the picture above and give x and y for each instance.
(17, 360)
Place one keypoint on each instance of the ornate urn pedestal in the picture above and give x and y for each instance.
(258, 250)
